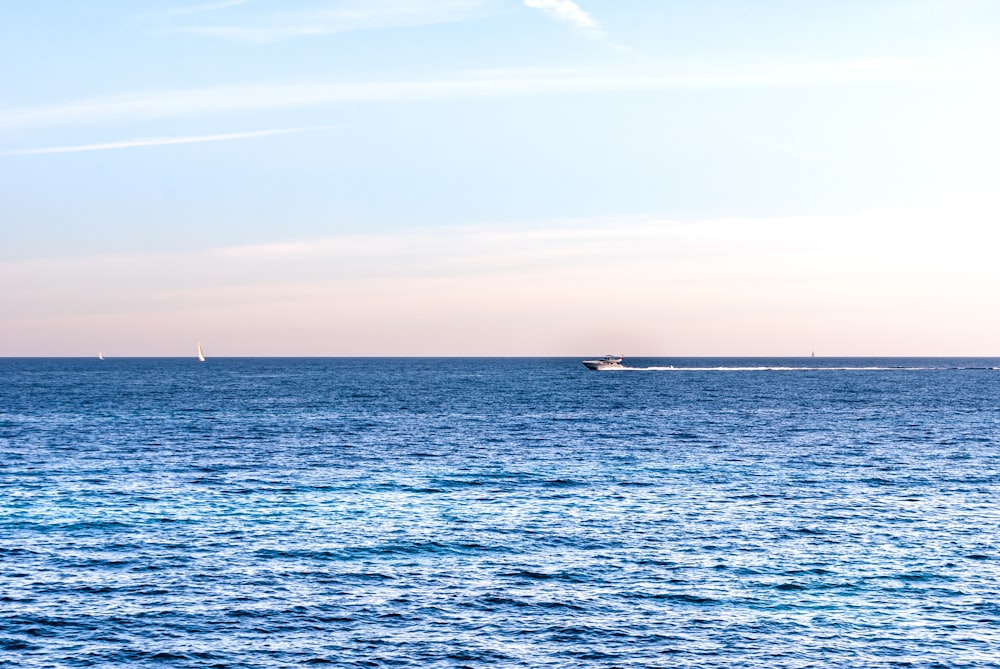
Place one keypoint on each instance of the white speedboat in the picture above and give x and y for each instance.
(607, 362)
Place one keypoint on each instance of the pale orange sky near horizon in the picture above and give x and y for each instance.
(741, 287)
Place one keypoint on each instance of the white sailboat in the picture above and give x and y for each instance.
(201, 354)
(100, 356)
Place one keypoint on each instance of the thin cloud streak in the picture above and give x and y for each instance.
(566, 11)
(153, 141)
(487, 83)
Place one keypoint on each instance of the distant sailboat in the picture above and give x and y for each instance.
(201, 354)
(100, 356)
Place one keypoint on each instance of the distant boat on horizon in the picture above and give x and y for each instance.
(100, 356)
(607, 362)
(201, 354)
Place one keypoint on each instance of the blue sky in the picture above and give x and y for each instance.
(498, 177)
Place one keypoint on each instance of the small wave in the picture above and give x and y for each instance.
(918, 576)
(561, 483)
(528, 574)
(681, 598)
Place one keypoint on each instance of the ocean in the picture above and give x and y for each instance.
(527, 512)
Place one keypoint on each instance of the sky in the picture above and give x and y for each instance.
(499, 177)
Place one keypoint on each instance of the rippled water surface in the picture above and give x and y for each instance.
(507, 512)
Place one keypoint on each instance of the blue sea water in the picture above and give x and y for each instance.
(499, 512)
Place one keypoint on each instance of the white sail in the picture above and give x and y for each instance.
(201, 354)
(100, 356)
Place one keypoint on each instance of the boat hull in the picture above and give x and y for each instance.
(598, 365)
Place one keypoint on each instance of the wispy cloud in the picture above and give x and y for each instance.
(152, 141)
(369, 15)
(490, 83)
(567, 11)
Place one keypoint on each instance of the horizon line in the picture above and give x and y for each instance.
(485, 357)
